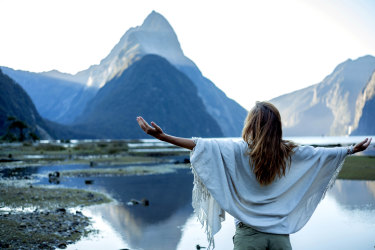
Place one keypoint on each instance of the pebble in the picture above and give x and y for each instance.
(62, 246)
(58, 230)
(61, 210)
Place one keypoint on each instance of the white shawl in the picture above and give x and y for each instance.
(224, 181)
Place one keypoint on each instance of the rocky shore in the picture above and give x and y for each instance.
(42, 229)
(44, 218)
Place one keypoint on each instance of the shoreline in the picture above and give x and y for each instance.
(44, 217)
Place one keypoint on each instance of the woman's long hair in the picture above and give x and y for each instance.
(269, 153)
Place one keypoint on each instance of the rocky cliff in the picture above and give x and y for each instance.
(329, 107)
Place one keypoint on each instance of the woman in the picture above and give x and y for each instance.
(270, 186)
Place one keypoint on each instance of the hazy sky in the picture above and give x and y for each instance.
(252, 50)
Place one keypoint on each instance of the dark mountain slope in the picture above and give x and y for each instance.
(365, 110)
(14, 102)
(227, 112)
(56, 99)
(154, 89)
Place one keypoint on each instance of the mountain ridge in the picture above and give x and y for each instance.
(328, 107)
(56, 99)
(16, 103)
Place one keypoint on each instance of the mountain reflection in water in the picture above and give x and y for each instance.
(345, 219)
(157, 226)
(351, 194)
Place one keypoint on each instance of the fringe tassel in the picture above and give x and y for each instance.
(208, 211)
(333, 178)
(200, 201)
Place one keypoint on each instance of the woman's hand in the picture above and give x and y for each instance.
(361, 145)
(158, 133)
(154, 131)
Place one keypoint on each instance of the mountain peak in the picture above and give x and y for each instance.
(156, 22)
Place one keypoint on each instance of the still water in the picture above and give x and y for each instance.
(345, 219)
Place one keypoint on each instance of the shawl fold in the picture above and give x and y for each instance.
(224, 181)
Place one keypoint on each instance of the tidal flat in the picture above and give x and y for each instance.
(57, 152)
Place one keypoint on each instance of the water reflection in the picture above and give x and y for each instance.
(344, 220)
(341, 221)
(351, 194)
(349, 206)
(156, 226)
(164, 234)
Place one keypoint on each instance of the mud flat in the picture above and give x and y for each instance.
(93, 153)
(123, 171)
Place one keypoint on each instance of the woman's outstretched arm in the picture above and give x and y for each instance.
(158, 133)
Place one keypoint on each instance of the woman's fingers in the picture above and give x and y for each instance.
(140, 120)
(156, 127)
(359, 144)
(153, 131)
(367, 143)
(362, 145)
(143, 124)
